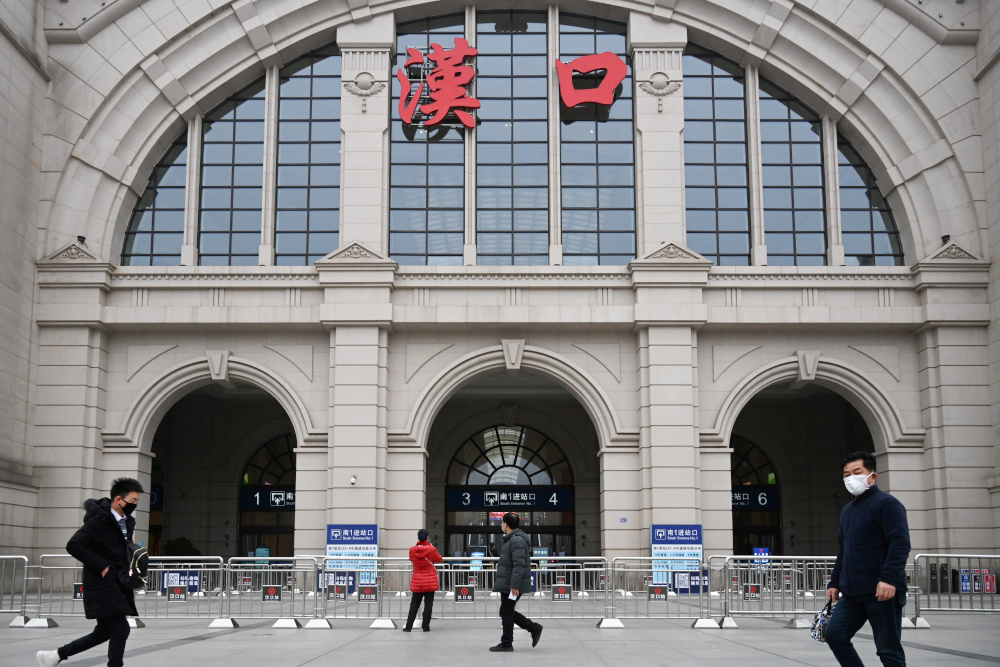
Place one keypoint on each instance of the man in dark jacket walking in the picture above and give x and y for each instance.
(869, 576)
(513, 578)
(423, 581)
(101, 546)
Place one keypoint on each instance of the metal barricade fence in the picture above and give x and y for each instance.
(955, 582)
(183, 587)
(272, 587)
(58, 581)
(645, 587)
(13, 584)
(776, 585)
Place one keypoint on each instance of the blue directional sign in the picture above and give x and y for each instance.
(509, 498)
(267, 497)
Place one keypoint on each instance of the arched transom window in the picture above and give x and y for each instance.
(509, 455)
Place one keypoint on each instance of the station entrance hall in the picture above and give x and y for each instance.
(312, 267)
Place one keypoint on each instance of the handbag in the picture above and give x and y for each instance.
(134, 576)
(820, 621)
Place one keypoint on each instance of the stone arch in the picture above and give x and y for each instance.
(142, 417)
(883, 417)
(574, 379)
(129, 129)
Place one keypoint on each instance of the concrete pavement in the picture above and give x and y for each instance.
(955, 640)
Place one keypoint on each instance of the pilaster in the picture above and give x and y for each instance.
(367, 50)
(656, 48)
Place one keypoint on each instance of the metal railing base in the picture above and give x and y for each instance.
(728, 623)
(906, 624)
(287, 624)
(610, 624)
(383, 624)
(134, 622)
(224, 623)
(920, 623)
(18, 622)
(798, 624)
(706, 623)
(41, 623)
(318, 624)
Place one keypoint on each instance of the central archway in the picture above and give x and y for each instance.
(523, 444)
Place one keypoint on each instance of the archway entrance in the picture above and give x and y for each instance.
(522, 444)
(509, 469)
(786, 483)
(223, 454)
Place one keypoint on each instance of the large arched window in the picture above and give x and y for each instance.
(750, 465)
(780, 214)
(511, 455)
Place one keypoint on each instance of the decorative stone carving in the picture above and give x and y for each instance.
(953, 252)
(74, 253)
(671, 251)
(364, 86)
(356, 252)
(660, 85)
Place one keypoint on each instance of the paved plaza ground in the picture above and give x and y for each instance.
(954, 640)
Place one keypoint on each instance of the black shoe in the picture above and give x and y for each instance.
(407, 629)
(502, 648)
(536, 634)
(427, 629)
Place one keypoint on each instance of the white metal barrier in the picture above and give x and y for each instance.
(13, 588)
(183, 587)
(645, 587)
(776, 586)
(954, 582)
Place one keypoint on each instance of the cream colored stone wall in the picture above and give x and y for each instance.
(362, 355)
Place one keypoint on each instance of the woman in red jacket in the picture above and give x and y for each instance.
(424, 581)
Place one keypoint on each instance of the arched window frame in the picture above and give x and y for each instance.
(834, 253)
(508, 442)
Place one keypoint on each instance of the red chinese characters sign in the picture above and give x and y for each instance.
(446, 83)
(615, 71)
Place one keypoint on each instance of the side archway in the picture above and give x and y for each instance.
(883, 417)
(141, 418)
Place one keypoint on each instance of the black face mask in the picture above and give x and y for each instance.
(129, 508)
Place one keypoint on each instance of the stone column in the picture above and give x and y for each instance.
(656, 47)
(668, 311)
(72, 365)
(955, 407)
(357, 310)
(367, 49)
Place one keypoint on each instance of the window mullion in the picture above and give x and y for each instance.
(758, 253)
(272, 87)
(470, 247)
(555, 148)
(192, 195)
(831, 178)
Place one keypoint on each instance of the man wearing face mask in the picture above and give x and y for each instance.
(101, 546)
(869, 577)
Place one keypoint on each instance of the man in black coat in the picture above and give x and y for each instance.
(869, 577)
(513, 578)
(101, 546)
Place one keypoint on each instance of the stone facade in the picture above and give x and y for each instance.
(363, 356)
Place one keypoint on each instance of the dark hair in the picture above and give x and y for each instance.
(422, 535)
(867, 460)
(511, 519)
(124, 486)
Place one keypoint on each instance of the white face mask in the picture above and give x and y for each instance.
(857, 484)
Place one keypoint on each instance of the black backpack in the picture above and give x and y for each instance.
(134, 576)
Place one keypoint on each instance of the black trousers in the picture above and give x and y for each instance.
(113, 629)
(509, 616)
(428, 599)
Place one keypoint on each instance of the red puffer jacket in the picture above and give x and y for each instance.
(424, 579)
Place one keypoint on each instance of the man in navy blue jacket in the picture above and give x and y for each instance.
(869, 576)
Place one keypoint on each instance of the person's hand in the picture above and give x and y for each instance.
(885, 591)
(832, 594)
(105, 571)
(514, 591)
